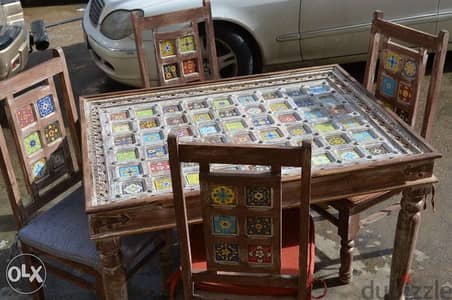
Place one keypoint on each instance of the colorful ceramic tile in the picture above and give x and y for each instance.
(152, 137)
(295, 93)
(278, 106)
(163, 183)
(190, 66)
(296, 130)
(222, 195)
(57, 159)
(388, 86)
(377, 150)
(246, 99)
(158, 151)
(236, 125)
(409, 69)
(304, 102)
(324, 127)
(262, 121)
(260, 254)
(222, 102)
(336, 140)
(39, 169)
(349, 155)
(202, 116)
(159, 166)
(52, 132)
(167, 48)
(32, 143)
(118, 116)
(129, 171)
(228, 112)
(172, 108)
(258, 196)
(328, 100)
(243, 138)
(259, 226)
(26, 116)
(209, 129)
(270, 134)
(337, 110)
(321, 159)
(126, 155)
(197, 105)
(46, 106)
(144, 113)
(170, 71)
(351, 123)
(392, 62)
(192, 178)
(405, 92)
(319, 89)
(271, 95)
(363, 136)
(176, 120)
(149, 123)
(403, 114)
(224, 225)
(288, 118)
(315, 114)
(132, 188)
(255, 109)
(214, 139)
(226, 253)
(182, 131)
(187, 43)
(121, 127)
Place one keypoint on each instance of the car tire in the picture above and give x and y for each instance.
(234, 52)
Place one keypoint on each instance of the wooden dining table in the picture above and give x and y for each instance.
(358, 148)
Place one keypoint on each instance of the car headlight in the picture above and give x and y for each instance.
(118, 24)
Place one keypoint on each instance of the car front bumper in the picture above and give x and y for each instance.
(120, 64)
(14, 57)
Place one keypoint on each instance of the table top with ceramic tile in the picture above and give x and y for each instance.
(125, 133)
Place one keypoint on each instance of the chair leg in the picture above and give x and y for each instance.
(39, 295)
(348, 230)
(100, 290)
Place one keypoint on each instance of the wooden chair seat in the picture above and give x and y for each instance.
(62, 231)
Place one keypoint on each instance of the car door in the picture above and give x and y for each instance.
(274, 24)
(340, 28)
(445, 17)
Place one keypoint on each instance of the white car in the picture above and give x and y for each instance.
(252, 34)
(14, 39)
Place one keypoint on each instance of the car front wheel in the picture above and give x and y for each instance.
(235, 55)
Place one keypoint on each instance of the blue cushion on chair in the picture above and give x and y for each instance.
(63, 232)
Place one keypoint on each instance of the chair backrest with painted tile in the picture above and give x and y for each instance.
(178, 54)
(49, 155)
(398, 57)
(241, 213)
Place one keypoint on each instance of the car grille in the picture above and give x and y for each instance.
(96, 10)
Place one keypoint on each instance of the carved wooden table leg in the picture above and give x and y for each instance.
(113, 274)
(348, 229)
(405, 239)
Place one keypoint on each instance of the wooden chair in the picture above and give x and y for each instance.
(242, 221)
(397, 57)
(179, 55)
(51, 163)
